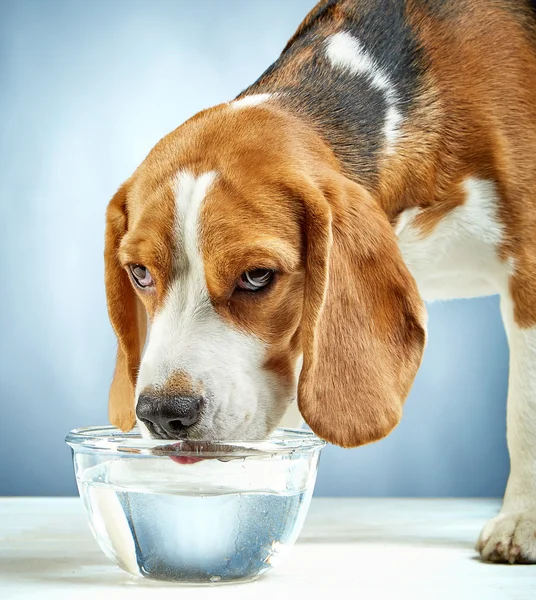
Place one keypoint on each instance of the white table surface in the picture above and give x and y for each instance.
(349, 548)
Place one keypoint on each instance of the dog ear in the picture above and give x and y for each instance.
(364, 323)
(127, 315)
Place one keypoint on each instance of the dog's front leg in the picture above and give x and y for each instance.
(511, 536)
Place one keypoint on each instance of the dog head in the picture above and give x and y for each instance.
(243, 270)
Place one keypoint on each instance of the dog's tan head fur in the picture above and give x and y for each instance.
(242, 188)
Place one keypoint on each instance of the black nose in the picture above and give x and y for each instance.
(168, 415)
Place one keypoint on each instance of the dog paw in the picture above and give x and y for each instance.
(509, 537)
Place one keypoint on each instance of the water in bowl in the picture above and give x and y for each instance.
(182, 528)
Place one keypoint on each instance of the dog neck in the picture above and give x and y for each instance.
(355, 88)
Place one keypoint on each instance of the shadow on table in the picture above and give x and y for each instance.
(91, 571)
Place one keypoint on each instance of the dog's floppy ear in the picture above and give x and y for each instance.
(363, 326)
(127, 315)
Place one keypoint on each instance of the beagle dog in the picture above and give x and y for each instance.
(278, 249)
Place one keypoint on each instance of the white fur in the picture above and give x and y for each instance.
(293, 418)
(252, 100)
(513, 531)
(458, 260)
(188, 335)
(346, 52)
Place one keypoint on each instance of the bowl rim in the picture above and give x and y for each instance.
(108, 439)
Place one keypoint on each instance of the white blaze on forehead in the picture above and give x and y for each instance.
(190, 193)
(188, 335)
(252, 100)
(344, 51)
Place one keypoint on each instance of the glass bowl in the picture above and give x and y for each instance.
(195, 512)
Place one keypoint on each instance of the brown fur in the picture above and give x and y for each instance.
(178, 384)
(125, 316)
(283, 200)
(138, 230)
(294, 191)
(363, 325)
(478, 112)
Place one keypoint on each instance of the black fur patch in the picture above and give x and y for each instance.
(346, 109)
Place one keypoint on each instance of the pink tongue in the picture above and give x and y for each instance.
(185, 460)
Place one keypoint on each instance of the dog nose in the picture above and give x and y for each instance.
(168, 415)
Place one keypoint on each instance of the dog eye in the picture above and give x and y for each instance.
(255, 280)
(141, 275)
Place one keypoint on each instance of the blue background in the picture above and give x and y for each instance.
(87, 89)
